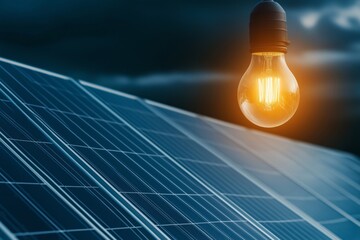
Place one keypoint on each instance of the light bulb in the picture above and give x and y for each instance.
(268, 93)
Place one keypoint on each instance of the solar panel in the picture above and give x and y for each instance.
(332, 185)
(277, 173)
(82, 161)
(245, 194)
(338, 168)
(29, 208)
(173, 203)
(34, 149)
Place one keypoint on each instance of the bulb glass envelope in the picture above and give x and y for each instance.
(268, 93)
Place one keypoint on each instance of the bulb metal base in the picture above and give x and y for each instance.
(268, 28)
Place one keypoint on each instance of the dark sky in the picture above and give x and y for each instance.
(192, 53)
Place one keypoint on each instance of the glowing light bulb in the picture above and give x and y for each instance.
(268, 93)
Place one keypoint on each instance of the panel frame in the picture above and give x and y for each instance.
(5, 233)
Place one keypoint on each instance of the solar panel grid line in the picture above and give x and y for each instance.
(310, 190)
(34, 68)
(46, 180)
(242, 213)
(77, 115)
(123, 202)
(39, 233)
(355, 166)
(5, 233)
(324, 149)
(220, 165)
(349, 181)
(89, 84)
(170, 108)
(258, 183)
(338, 220)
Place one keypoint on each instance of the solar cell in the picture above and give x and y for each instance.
(124, 164)
(210, 168)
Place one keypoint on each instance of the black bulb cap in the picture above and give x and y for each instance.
(268, 29)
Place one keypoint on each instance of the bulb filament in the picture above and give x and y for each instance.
(269, 90)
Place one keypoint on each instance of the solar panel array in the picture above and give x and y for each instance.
(82, 161)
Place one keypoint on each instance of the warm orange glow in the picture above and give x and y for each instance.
(269, 90)
(268, 93)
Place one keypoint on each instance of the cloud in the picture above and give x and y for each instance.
(165, 79)
(310, 19)
(325, 57)
(345, 17)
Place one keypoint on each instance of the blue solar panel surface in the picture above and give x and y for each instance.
(82, 162)
(205, 165)
(51, 161)
(337, 182)
(28, 206)
(168, 196)
(278, 174)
